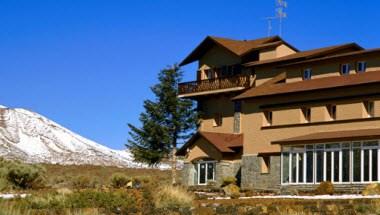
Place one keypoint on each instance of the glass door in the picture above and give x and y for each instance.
(206, 172)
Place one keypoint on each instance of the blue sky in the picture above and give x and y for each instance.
(89, 64)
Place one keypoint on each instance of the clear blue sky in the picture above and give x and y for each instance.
(89, 64)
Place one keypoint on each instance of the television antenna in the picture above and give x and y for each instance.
(280, 14)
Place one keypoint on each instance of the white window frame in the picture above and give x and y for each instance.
(206, 171)
(302, 152)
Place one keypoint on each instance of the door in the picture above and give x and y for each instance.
(206, 172)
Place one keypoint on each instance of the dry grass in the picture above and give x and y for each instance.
(172, 197)
(63, 176)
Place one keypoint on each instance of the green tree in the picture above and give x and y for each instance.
(166, 122)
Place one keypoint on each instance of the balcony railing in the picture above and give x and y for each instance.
(240, 81)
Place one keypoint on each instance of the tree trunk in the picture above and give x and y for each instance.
(174, 165)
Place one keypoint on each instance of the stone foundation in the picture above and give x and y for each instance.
(253, 179)
(222, 169)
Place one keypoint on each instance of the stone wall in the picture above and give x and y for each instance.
(226, 169)
(253, 179)
(223, 169)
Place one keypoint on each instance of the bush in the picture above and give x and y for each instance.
(229, 180)
(325, 188)
(25, 176)
(119, 180)
(172, 197)
(211, 183)
(371, 189)
(232, 191)
(83, 182)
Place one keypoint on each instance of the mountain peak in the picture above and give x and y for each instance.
(33, 138)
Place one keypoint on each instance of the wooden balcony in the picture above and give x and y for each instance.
(217, 85)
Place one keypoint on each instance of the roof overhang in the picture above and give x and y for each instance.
(333, 136)
(223, 142)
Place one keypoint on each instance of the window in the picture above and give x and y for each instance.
(210, 74)
(306, 112)
(265, 164)
(346, 162)
(205, 171)
(217, 120)
(332, 111)
(361, 67)
(237, 114)
(345, 69)
(369, 108)
(268, 118)
(307, 74)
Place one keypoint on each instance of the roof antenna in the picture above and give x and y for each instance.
(280, 15)
(269, 20)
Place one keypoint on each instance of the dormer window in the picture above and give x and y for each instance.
(307, 74)
(345, 69)
(361, 67)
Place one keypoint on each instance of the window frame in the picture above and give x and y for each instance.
(309, 73)
(348, 66)
(291, 151)
(364, 69)
(198, 164)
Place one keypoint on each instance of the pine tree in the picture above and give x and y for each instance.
(166, 122)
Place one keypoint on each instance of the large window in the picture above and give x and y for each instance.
(346, 162)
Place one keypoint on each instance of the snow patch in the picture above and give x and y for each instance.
(347, 196)
(33, 138)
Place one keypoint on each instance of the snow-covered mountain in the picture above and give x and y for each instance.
(30, 137)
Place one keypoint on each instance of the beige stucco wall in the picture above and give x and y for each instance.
(319, 69)
(218, 104)
(217, 57)
(283, 50)
(202, 149)
(350, 111)
(288, 116)
(267, 54)
(257, 139)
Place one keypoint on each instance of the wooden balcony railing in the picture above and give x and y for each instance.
(214, 84)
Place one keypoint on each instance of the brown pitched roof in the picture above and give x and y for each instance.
(313, 84)
(221, 141)
(236, 47)
(342, 55)
(305, 55)
(324, 137)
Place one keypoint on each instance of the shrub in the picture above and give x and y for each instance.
(232, 191)
(325, 188)
(119, 180)
(82, 182)
(371, 189)
(229, 180)
(172, 197)
(25, 176)
(211, 183)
